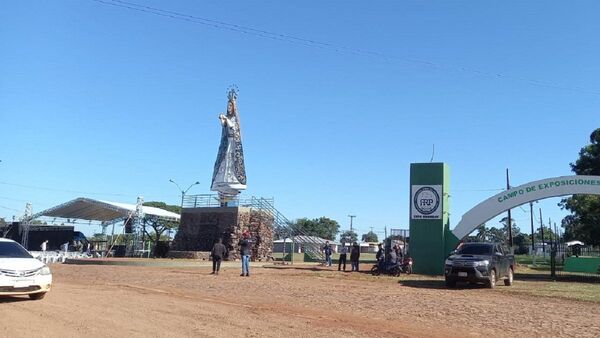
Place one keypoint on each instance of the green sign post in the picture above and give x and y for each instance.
(429, 223)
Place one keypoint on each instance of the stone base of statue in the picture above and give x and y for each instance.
(201, 227)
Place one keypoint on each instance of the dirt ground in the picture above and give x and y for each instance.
(120, 301)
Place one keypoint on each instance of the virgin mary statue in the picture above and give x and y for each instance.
(229, 176)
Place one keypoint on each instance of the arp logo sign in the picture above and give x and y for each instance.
(426, 202)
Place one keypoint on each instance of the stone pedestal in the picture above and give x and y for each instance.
(201, 227)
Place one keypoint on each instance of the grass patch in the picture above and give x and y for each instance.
(538, 283)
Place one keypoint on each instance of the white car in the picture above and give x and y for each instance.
(20, 273)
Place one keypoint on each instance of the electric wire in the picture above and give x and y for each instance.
(330, 46)
(64, 190)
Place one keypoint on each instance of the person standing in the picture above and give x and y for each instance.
(327, 252)
(355, 256)
(245, 251)
(44, 245)
(380, 252)
(343, 253)
(219, 251)
(65, 247)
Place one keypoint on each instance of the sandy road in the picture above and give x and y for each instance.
(116, 301)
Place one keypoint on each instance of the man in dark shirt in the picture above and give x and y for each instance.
(355, 256)
(245, 251)
(380, 252)
(219, 251)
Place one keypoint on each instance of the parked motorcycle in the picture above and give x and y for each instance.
(386, 267)
(393, 269)
(407, 265)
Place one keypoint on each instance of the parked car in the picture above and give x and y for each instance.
(20, 273)
(479, 263)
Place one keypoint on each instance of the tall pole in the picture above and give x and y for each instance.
(532, 231)
(183, 192)
(542, 233)
(351, 218)
(510, 237)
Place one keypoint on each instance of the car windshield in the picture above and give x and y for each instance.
(475, 249)
(13, 250)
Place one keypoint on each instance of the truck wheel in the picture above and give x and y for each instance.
(509, 280)
(492, 280)
(450, 283)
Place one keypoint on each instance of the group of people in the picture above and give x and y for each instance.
(219, 252)
(77, 246)
(394, 256)
(354, 256)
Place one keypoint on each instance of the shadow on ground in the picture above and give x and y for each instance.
(9, 299)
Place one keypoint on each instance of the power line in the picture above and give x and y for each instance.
(62, 190)
(471, 190)
(7, 208)
(333, 47)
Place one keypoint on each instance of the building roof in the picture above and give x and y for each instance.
(105, 211)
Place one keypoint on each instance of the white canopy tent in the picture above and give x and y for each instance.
(103, 211)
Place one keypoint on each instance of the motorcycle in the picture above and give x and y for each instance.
(407, 264)
(393, 269)
(386, 267)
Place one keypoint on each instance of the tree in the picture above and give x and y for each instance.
(482, 233)
(549, 235)
(515, 228)
(584, 221)
(522, 243)
(162, 205)
(496, 235)
(369, 237)
(321, 227)
(159, 225)
(348, 236)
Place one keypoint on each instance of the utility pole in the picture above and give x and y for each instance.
(510, 237)
(532, 231)
(351, 218)
(542, 233)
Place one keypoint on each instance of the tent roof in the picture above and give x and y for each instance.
(105, 211)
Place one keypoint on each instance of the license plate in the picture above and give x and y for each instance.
(23, 283)
(462, 274)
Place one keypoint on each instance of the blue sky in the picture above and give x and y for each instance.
(110, 103)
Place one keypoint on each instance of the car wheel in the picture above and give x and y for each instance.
(450, 283)
(375, 271)
(509, 280)
(37, 296)
(492, 279)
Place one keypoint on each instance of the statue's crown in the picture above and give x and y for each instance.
(232, 94)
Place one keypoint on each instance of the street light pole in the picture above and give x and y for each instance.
(183, 192)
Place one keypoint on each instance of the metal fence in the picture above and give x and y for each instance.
(212, 200)
(575, 262)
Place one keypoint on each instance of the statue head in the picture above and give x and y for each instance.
(231, 101)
